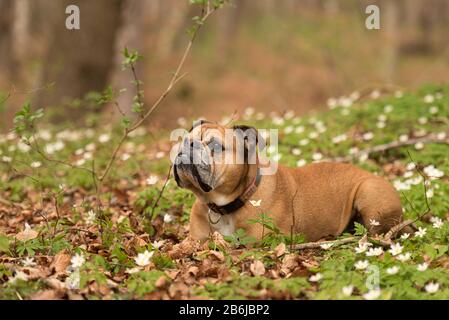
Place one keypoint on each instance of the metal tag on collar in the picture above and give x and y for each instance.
(210, 219)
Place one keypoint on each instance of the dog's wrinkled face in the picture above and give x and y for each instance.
(213, 160)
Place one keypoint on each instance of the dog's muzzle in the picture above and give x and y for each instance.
(194, 162)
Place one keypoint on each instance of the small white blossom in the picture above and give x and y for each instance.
(288, 129)
(393, 270)
(374, 252)
(422, 267)
(90, 147)
(332, 103)
(381, 124)
(433, 172)
(404, 257)
(432, 287)
(399, 185)
(368, 136)
(296, 151)
(19, 275)
(6, 159)
(255, 203)
(276, 157)
(313, 135)
(362, 247)
(361, 264)
(433, 110)
(408, 174)
(317, 156)
(152, 180)
(126, 156)
(304, 142)
(422, 120)
(326, 246)
(421, 232)
(437, 223)
(132, 270)
(103, 138)
(80, 162)
(429, 193)
(300, 129)
(374, 222)
(88, 156)
(396, 249)
(158, 244)
(375, 94)
(372, 294)
(405, 236)
(316, 277)
(91, 216)
(339, 138)
(347, 291)
(403, 137)
(143, 259)
(35, 164)
(441, 135)
(388, 108)
(168, 218)
(23, 147)
(419, 146)
(363, 157)
(429, 98)
(77, 261)
(301, 163)
(73, 281)
(28, 262)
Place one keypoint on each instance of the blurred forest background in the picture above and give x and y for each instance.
(268, 54)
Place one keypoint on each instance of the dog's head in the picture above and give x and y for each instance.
(214, 160)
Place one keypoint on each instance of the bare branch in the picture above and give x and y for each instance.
(431, 138)
(175, 78)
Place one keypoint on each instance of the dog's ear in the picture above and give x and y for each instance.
(251, 139)
(199, 123)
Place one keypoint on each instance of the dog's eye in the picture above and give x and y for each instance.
(215, 146)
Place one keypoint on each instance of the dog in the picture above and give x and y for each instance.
(318, 200)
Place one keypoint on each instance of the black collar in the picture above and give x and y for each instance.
(240, 201)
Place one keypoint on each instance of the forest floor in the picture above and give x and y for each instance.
(57, 243)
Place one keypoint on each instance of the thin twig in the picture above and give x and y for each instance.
(431, 138)
(175, 78)
(393, 231)
(318, 244)
(167, 178)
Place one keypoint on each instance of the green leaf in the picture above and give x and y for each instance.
(360, 230)
(4, 243)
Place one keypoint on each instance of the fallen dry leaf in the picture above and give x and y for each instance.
(257, 268)
(184, 249)
(161, 282)
(27, 234)
(61, 262)
(289, 262)
(280, 250)
(217, 254)
(217, 238)
(47, 295)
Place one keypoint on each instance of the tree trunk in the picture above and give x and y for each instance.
(390, 26)
(136, 16)
(77, 61)
(6, 56)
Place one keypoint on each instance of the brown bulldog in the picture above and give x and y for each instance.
(317, 200)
